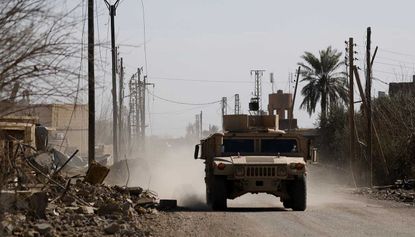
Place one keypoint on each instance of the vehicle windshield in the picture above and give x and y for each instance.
(279, 146)
(238, 145)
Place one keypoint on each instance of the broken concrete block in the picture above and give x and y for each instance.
(167, 204)
(43, 228)
(96, 174)
(85, 210)
(112, 229)
(37, 204)
(31, 233)
(109, 208)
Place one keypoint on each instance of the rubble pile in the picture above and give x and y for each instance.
(44, 198)
(401, 191)
(83, 210)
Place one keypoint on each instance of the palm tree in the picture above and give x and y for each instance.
(325, 83)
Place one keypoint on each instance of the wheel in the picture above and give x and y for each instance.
(299, 194)
(218, 193)
(287, 203)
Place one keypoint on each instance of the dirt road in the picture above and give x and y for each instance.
(332, 211)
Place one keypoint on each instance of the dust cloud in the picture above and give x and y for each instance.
(172, 172)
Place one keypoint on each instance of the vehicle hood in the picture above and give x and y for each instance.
(260, 160)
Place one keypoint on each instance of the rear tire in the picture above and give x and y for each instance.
(218, 193)
(298, 194)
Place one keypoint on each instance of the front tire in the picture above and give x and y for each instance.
(218, 194)
(298, 194)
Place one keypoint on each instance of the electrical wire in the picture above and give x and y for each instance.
(181, 103)
(79, 77)
(145, 38)
(198, 80)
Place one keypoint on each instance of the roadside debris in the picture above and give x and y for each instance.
(44, 192)
(402, 191)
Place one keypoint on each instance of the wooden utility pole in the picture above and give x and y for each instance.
(351, 102)
(91, 85)
(291, 115)
(120, 100)
(369, 103)
(112, 8)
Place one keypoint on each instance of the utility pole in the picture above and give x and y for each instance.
(291, 115)
(121, 98)
(142, 101)
(258, 88)
(201, 124)
(91, 85)
(369, 103)
(224, 109)
(137, 104)
(143, 115)
(112, 9)
(351, 101)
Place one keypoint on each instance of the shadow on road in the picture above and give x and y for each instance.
(230, 209)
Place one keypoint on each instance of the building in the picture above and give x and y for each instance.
(69, 124)
(402, 88)
(281, 103)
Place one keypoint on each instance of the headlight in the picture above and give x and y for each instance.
(239, 171)
(281, 170)
(297, 166)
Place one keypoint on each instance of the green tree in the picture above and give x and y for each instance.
(325, 82)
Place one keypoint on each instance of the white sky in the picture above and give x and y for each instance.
(224, 40)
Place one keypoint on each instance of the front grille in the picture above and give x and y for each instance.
(266, 171)
(260, 171)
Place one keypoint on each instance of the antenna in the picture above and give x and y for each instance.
(256, 101)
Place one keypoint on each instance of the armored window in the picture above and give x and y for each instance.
(238, 145)
(279, 146)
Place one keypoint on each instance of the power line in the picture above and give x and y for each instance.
(144, 36)
(398, 53)
(182, 103)
(198, 80)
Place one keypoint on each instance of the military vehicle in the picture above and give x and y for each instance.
(253, 156)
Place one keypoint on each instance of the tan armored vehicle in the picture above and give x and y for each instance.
(252, 156)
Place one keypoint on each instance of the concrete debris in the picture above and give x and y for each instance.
(112, 229)
(96, 174)
(167, 204)
(45, 192)
(37, 204)
(401, 191)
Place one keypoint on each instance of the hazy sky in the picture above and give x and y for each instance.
(224, 40)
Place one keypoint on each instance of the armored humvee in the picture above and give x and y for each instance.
(252, 156)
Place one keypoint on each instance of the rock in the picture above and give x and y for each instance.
(112, 229)
(140, 210)
(43, 228)
(31, 233)
(135, 191)
(7, 227)
(37, 204)
(145, 201)
(85, 210)
(109, 208)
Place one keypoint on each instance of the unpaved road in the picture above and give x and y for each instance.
(332, 211)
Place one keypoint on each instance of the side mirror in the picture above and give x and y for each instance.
(196, 154)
